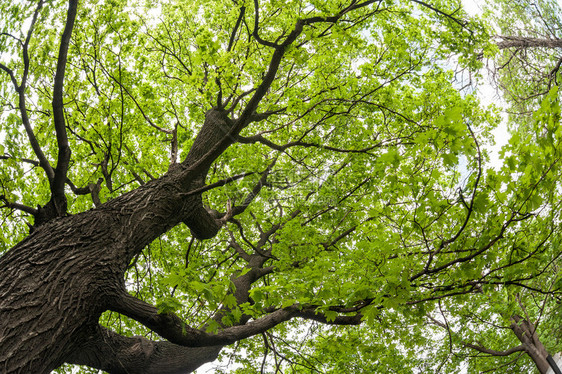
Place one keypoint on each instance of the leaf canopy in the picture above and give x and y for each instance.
(363, 175)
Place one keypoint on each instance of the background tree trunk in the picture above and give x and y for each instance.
(527, 42)
(527, 335)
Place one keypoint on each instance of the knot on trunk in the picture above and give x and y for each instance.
(48, 212)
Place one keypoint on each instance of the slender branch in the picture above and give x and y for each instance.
(469, 207)
(479, 347)
(10, 72)
(137, 104)
(235, 29)
(23, 208)
(510, 351)
(311, 314)
(20, 89)
(279, 52)
(339, 237)
(220, 183)
(260, 139)
(257, 117)
(447, 15)
(27, 160)
(239, 209)
(255, 33)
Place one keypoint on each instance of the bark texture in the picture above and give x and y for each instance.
(526, 42)
(116, 354)
(55, 284)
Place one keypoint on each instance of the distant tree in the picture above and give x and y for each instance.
(528, 37)
(514, 329)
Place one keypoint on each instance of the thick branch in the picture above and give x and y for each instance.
(175, 330)
(527, 42)
(172, 328)
(57, 186)
(527, 335)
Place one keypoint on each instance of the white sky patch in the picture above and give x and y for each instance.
(473, 7)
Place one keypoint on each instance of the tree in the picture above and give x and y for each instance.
(512, 325)
(320, 155)
(527, 68)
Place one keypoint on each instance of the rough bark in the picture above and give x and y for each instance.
(116, 354)
(55, 284)
(527, 42)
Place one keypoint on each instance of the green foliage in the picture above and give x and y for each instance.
(381, 195)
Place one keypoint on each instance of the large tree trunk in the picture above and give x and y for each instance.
(55, 284)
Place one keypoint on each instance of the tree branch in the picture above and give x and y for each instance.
(255, 33)
(235, 29)
(479, 347)
(311, 314)
(527, 42)
(492, 352)
(26, 160)
(175, 330)
(10, 72)
(279, 52)
(447, 15)
(63, 159)
(220, 183)
(239, 209)
(20, 89)
(233, 127)
(268, 143)
(23, 208)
